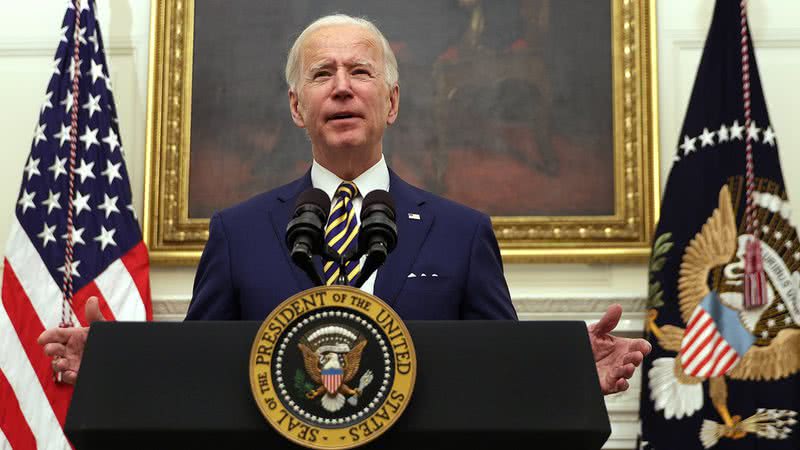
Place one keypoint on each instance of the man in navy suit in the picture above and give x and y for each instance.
(446, 265)
(343, 91)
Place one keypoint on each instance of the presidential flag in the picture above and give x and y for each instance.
(74, 235)
(724, 278)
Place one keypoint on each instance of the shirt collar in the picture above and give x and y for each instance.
(376, 177)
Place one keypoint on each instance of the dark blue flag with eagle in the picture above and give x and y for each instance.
(724, 301)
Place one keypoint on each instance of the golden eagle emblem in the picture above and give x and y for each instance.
(331, 357)
(764, 343)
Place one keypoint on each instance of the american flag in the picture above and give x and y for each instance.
(109, 260)
(714, 340)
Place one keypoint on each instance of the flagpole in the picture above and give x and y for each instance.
(755, 281)
(66, 305)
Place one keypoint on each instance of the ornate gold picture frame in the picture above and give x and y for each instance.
(620, 231)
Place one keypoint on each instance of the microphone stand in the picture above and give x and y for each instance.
(342, 279)
(374, 260)
(304, 261)
(376, 256)
(331, 255)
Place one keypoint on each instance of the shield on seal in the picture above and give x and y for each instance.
(332, 378)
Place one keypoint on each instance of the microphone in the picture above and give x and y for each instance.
(378, 235)
(305, 235)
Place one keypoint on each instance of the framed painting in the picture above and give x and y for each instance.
(540, 113)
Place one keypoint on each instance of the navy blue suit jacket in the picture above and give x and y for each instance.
(246, 271)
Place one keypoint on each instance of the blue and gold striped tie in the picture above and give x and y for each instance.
(341, 232)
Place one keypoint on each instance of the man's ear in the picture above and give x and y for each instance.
(294, 107)
(394, 104)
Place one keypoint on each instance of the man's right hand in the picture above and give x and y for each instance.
(66, 345)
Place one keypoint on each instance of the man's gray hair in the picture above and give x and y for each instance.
(294, 63)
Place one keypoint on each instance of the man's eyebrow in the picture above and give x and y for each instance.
(360, 62)
(319, 65)
(327, 64)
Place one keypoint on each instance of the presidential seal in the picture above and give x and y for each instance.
(332, 368)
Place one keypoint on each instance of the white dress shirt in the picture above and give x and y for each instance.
(376, 177)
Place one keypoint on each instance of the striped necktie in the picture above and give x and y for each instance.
(341, 232)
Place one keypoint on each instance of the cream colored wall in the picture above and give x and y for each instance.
(31, 31)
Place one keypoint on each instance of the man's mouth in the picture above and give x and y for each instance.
(343, 115)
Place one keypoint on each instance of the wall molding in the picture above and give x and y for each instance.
(577, 304)
(696, 39)
(47, 47)
(529, 308)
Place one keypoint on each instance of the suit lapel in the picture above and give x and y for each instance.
(411, 234)
(280, 216)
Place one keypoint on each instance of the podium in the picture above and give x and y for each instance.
(480, 384)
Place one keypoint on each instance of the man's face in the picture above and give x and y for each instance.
(342, 99)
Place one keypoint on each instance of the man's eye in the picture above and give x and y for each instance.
(321, 74)
(361, 72)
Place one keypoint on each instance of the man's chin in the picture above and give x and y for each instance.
(346, 143)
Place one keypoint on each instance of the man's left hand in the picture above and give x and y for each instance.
(616, 358)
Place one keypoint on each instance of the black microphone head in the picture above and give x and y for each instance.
(378, 221)
(316, 197)
(305, 232)
(377, 197)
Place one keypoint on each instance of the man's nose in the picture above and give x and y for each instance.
(342, 86)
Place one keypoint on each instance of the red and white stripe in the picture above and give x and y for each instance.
(332, 382)
(704, 352)
(33, 406)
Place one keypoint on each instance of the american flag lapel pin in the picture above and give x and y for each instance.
(414, 216)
